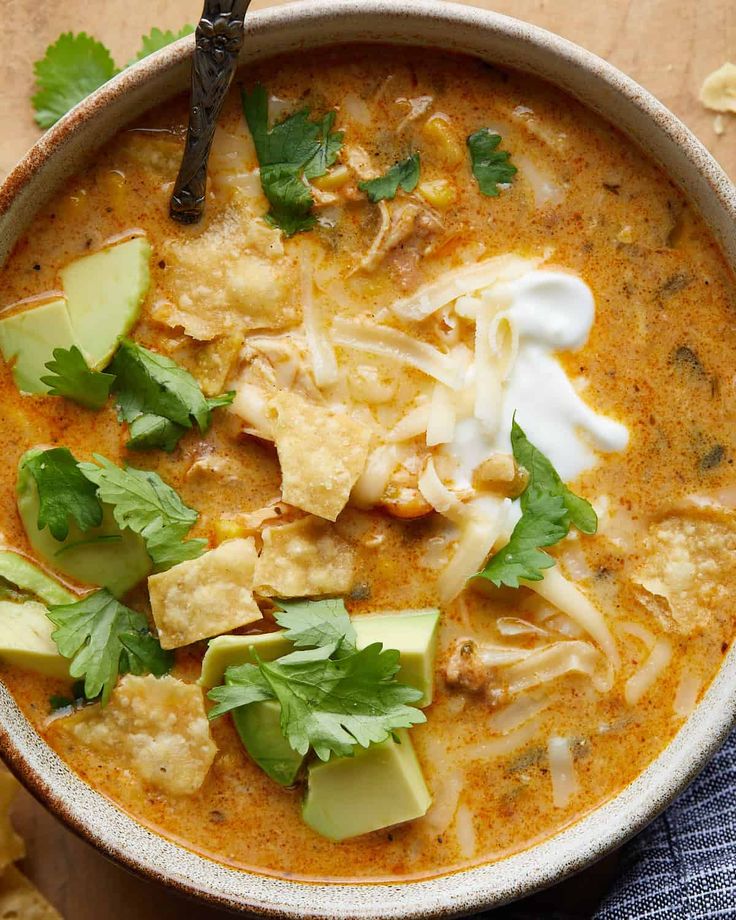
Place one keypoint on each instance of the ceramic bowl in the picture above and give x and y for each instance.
(508, 43)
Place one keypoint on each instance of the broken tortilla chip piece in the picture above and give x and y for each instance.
(718, 91)
(304, 559)
(685, 567)
(158, 729)
(21, 900)
(322, 453)
(12, 846)
(206, 596)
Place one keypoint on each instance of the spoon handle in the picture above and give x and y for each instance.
(219, 38)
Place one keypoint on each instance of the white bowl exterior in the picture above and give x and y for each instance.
(505, 42)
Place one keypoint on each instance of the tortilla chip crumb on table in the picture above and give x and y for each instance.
(12, 847)
(19, 898)
(718, 91)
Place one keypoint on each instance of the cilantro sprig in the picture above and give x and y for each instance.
(404, 174)
(548, 508)
(158, 398)
(75, 65)
(332, 696)
(104, 638)
(290, 153)
(72, 378)
(491, 167)
(142, 501)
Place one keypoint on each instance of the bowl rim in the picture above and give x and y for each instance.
(116, 834)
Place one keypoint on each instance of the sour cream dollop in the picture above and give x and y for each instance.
(549, 312)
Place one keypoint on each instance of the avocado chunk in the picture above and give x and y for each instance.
(259, 727)
(104, 293)
(28, 340)
(25, 639)
(29, 578)
(412, 632)
(224, 652)
(379, 786)
(106, 555)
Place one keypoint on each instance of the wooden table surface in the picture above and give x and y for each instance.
(669, 46)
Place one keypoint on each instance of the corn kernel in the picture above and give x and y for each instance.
(228, 529)
(335, 179)
(439, 130)
(437, 192)
(625, 235)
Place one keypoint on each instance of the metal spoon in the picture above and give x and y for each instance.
(219, 38)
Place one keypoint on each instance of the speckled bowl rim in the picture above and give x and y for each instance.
(507, 42)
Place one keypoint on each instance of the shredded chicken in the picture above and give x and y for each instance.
(465, 668)
(409, 226)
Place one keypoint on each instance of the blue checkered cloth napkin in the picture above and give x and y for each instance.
(683, 866)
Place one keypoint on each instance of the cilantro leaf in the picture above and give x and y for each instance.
(544, 478)
(401, 175)
(94, 633)
(72, 68)
(158, 397)
(143, 502)
(541, 525)
(244, 684)
(158, 39)
(548, 510)
(77, 64)
(290, 153)
(143, 654)
(491, 167)
(63, 492)
(153, 432)
(323, 625)
(73, 378)
(332, 705)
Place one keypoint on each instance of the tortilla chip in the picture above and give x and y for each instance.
(304, 559)
(12, 846)
(21, 900)
(231, 276)
(157, 728)
(687, 568)
(206, 596)
(322, 453)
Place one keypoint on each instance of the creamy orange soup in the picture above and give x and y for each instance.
(548, 698)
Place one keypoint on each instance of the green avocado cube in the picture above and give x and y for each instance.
(259, 728)
(378, 787)
(414, 634)
(25, 639)
(104, 293)
(224, 652)
(28, 340)
(29, 578)
(106, 555)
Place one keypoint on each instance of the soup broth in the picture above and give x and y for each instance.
(603, 311)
